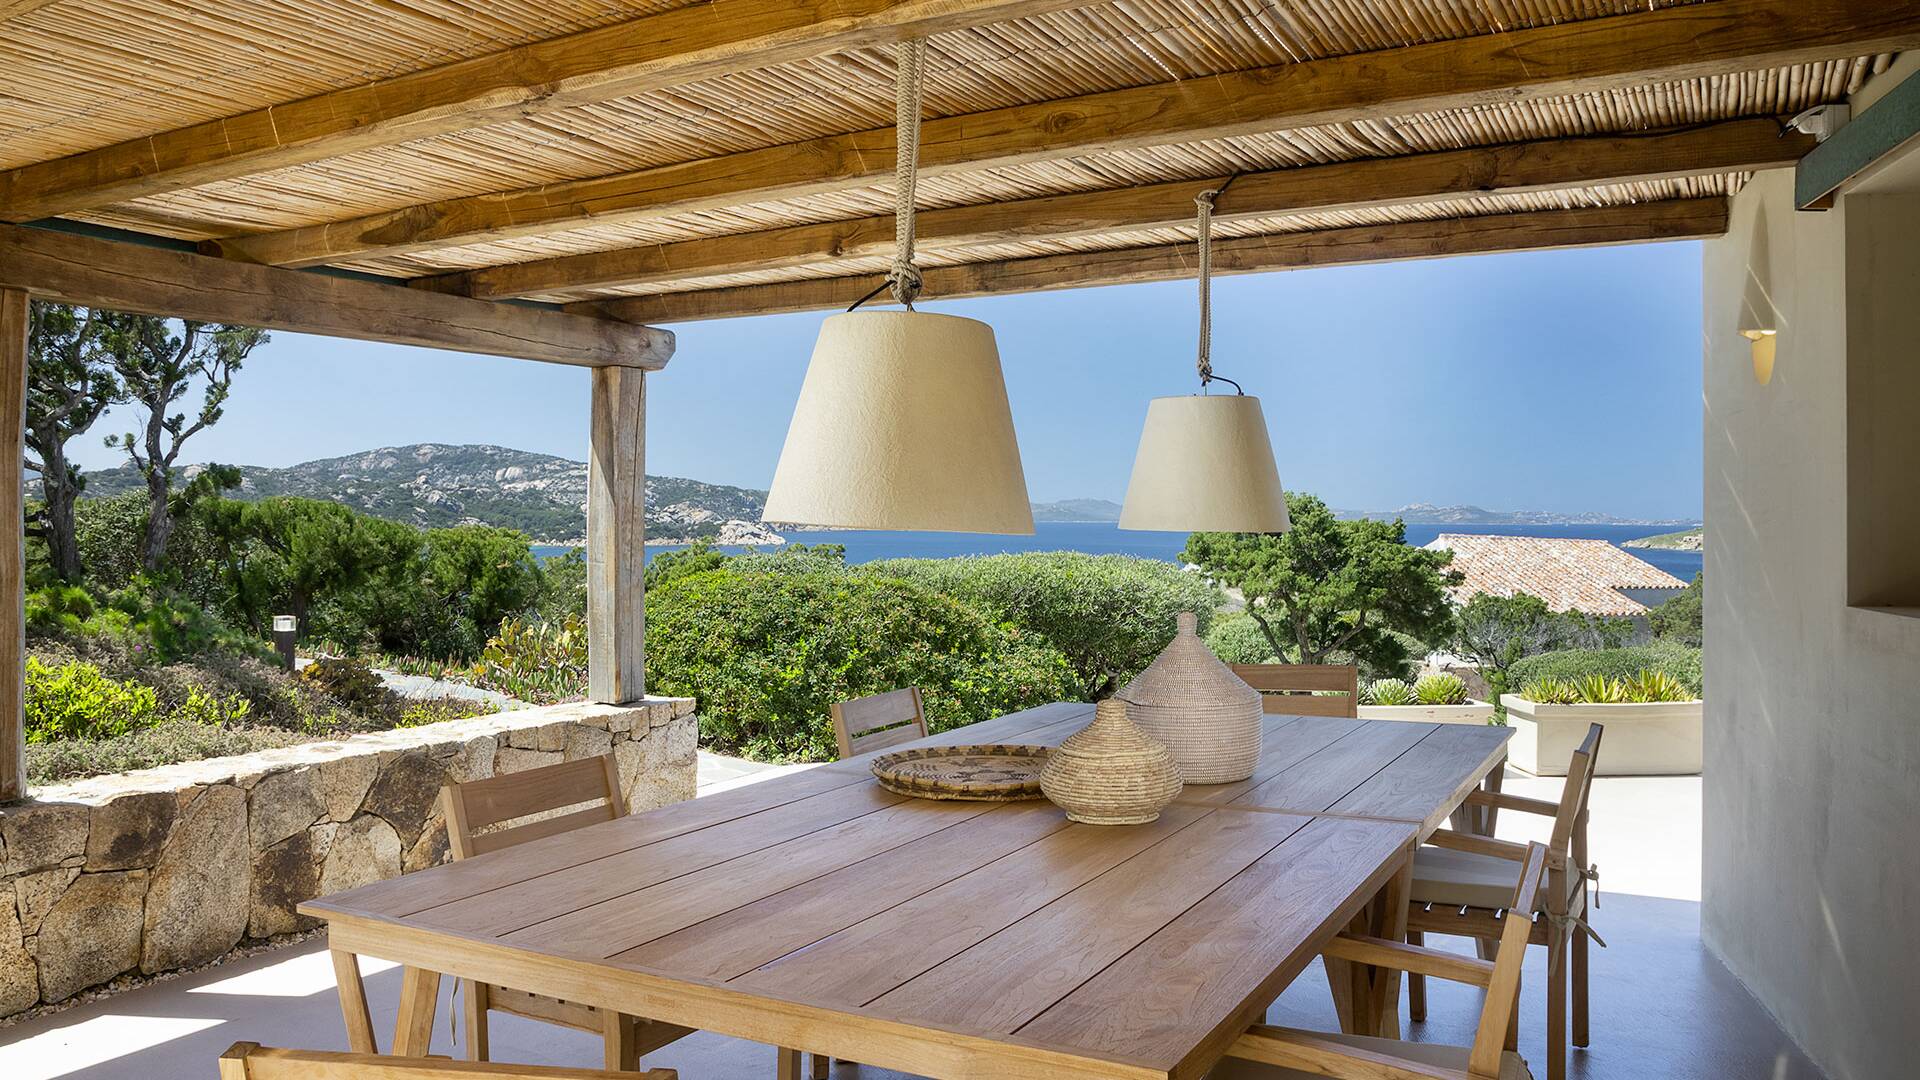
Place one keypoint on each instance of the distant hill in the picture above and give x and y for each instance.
(1429, 514)
(1077, 510)
(1684, 540)
(434, 485)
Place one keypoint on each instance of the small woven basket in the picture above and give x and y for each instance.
(1199, 708)
(1110, 772)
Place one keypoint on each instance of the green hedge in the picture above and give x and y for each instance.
(1110, 614)
(767, 654)
(1680, 661)
(1237, 639)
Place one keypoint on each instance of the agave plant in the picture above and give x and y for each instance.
(1388, 692)
(1551, 691)
(1600, 690)
(1442, 689)
(1654, 685)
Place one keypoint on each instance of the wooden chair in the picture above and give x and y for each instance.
(1305, 689)
(251, 1061)
(479, 815)
(1276, 1053)
(1456, 891)
(879, 721)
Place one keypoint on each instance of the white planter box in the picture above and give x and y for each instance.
(1653, 739)
(1473, 712)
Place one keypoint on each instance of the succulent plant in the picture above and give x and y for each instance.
(1600, 690)
(1652, 685)
(1551, 691)
(1442, 689)
(1388, 692)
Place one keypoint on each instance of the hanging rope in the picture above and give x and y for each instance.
(1204, 227)
(903, 276)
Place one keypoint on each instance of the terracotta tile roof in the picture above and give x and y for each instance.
(1570, 575)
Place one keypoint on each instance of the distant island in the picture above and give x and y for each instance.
(434, 485)
(1684, 540)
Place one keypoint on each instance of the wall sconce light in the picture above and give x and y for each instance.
(1763, 342)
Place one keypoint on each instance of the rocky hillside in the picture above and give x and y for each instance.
(433, 485)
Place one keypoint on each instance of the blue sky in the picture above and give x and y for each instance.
(1564, 381)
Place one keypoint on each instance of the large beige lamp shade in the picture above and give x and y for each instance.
(1205, 464)
(902, 423)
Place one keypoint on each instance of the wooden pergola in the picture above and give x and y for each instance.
(543, 181)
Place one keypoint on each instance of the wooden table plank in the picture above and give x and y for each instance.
(1232, 953)
(639, 916)
(1327, 775)
(419, 891)
(1016, 974)
(1428, 781)
(513, 907)
(760, 932)
(864, 961)
(1285, 741)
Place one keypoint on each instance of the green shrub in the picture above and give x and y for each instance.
(1237, 639)
(1109, 614)
(350, 682)
(76, 701)
(1442, 689)
(434, 710)
(1679, 661)
(537, 660)
(767, 655)
(1679, 619)
(58, 609)
(1388, 692)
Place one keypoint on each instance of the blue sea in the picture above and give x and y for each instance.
(1105, 538)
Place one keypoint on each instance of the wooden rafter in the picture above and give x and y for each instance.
(13, 9)
(1678, 219)
(1593, 55)
(685, 45)
(1733, 146)
(123, 276)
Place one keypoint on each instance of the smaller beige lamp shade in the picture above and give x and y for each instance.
(1205, 464)
(1765, 343)
(902, 423)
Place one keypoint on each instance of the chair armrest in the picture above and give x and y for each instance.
(1381, 952)
(1479, 797)
(1308, 1052)
(1479, 845)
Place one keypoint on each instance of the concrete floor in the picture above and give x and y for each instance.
(1663, 1007)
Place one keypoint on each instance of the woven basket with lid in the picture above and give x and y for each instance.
(1195, 705)
(1110, 772)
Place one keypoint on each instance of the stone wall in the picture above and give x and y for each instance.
(170, 867)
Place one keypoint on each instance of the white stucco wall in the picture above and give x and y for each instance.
(1812, 804)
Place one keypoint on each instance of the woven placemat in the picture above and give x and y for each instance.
(982, 773)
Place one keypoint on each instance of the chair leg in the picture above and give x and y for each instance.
(1416, 983)
(1513, 1021)
(787, 1064)
(474, 998)
(1557, 1011)
(1579, 978)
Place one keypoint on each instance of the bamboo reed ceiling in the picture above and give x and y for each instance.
(77, 76)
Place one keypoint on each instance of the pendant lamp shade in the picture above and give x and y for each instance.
(902, 423)
(1205, 464)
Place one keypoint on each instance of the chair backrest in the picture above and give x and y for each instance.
(251, 1061)
(478, 805)
(879, 721)
(1503, 991)
(1305, 689)
(1579, 785)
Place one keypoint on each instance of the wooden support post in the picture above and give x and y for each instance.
(616, 537)
(13, 570)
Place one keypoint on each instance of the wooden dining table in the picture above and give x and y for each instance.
(820, 912)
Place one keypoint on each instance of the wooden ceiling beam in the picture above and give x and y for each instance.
(705, 40)
(121, 276)
(1591, 55)
(13, 9)
(1732, 146)
(1678, 219)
